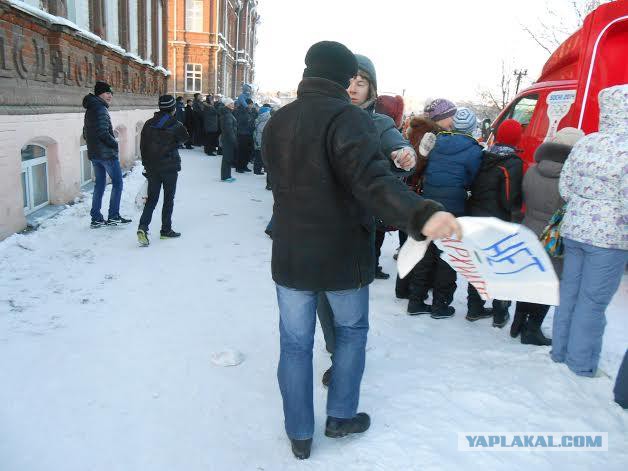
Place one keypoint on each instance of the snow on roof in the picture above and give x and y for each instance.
(59, 20)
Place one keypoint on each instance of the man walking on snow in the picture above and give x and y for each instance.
(159, 143)
(329, 178)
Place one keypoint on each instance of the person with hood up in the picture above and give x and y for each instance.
(247, 94)
(102, 151)
(496, 192)
(329, 179)
(159, 141)
(452, 166)
(363, 93)
(542, 199)
(228, 139)
(260, 124)
(594, 183)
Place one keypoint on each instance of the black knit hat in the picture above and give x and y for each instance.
(166, 103)
(102, 87)
(332, 61)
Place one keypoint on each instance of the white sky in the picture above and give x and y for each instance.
(445, 48)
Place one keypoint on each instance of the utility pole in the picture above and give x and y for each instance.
(519, 74)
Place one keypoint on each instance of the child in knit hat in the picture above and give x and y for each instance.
(452, 166)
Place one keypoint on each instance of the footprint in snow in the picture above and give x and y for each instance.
(227, 358)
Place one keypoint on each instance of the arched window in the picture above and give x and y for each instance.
(34, 177)
(87, 171)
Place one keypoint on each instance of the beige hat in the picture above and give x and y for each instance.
(227, 101)
(568, 136)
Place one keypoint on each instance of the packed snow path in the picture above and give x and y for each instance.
(107, 355)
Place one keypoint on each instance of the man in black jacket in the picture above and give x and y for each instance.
(228, 140)
(210, 126)
(329, 178)
(245, 116)
(160, 138)
(102, 151)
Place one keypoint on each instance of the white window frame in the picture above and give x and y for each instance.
(133, 27)
(27, 171)
(196, 73)
(194, 15)
(85, 161)
(111, 14)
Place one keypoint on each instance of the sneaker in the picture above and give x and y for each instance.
(442, 312)
(416, 308)
(337, 428)
(326, 377)
(118, 220)
(301, 448)
(380, 275)
(97, 223)
(477, 314)
(169, 234)
(142, 238)
(228, 180)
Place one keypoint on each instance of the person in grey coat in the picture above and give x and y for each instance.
(363, 93)
(542, 199)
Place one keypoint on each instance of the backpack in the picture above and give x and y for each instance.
(551, 238)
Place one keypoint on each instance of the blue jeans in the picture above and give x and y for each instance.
(297, 320)
(591, 275)
(101, 169)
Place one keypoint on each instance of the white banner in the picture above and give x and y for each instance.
(501, 260)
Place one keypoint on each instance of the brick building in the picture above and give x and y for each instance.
(211, 45)
(51, 54)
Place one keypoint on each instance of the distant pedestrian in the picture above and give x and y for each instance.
(228, 139)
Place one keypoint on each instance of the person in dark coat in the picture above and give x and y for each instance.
(189, 123)
(102, 151)
(621, 384)
(496, 192)
(328, 172)
(210, 126)
(228, 139)
(452, 165)
(245, 116)
(542, 199)
(197, 105)
(180, 113)
(159, 142)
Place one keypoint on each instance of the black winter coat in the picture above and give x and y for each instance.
(210, 118)
(228, 127)
(189, 118)
(329, 176)
(98, 131)
(246, 121)
(496, 190)
(161, 135)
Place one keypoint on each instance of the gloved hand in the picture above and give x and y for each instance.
(427, 143)
(404, 158)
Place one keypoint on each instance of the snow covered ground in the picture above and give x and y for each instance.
(110, 356)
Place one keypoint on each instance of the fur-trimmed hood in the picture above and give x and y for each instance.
(417, 129)
(552, 151)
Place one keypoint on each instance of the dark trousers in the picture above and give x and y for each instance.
(326, 318)
(155, 181)
(245, 149)
(211, 142)
(621, 384)
(257, 161)
(380, 235)
(228, 156)
(433, 272)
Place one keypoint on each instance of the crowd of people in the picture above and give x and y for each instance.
(347, 169)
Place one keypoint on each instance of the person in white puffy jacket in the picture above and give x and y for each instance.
(594, 182)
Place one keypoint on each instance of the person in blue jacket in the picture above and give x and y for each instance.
(453, 163)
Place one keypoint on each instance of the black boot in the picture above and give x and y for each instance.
(475, 313)
(500, 313)
(336, 428)
(518, 323)
(301, 448)
(326, 377)
(531, 333)
(380, 275)
(416, 308)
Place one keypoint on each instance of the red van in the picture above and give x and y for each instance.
(565, 95)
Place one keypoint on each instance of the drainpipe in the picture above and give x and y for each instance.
(237, 49)
(174, 51)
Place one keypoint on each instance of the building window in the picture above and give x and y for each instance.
(193, 77)
(34, 177)
(194, 15)
(87, 171)
(159, 34)
(133, 28)
(111, 10)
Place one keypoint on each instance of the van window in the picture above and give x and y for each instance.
(523, 109)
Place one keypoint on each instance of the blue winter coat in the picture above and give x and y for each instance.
(453, 163)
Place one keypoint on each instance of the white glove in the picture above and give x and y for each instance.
(427, 143)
